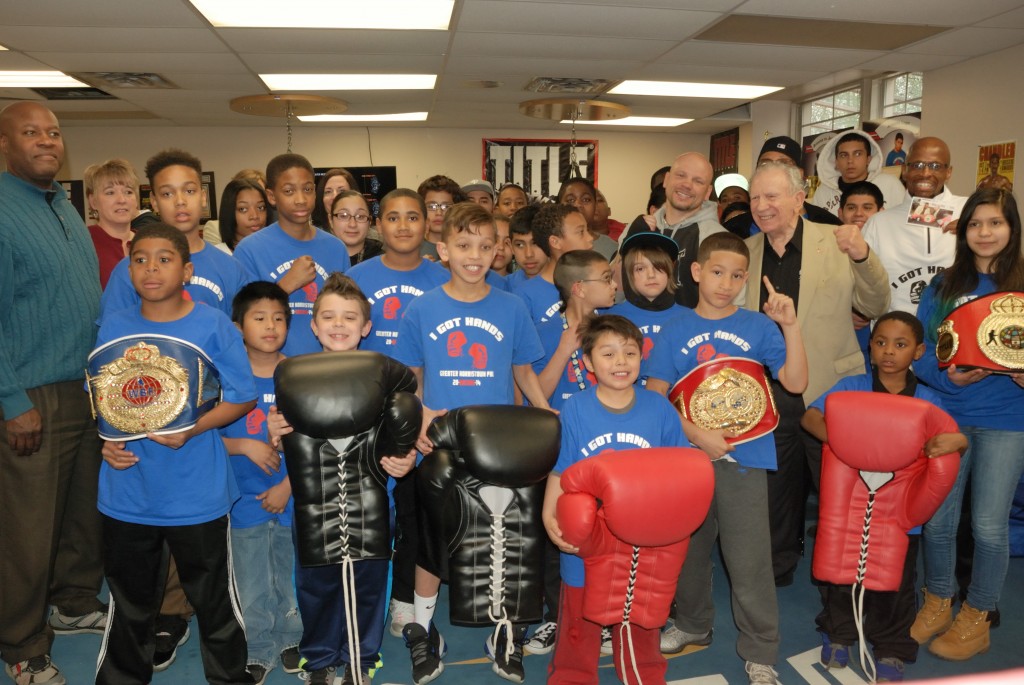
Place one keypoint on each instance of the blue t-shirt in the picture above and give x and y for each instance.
(389, 292)
(248, 511)
(894, 158)
(992, 402)
(574, 373)
(650, 323)
(467, 349)
(216, 279)
(496, 280)
(541, 298)
(589, 428)
(515, 280)
(268, 255)
(689, 340)
(192, 484)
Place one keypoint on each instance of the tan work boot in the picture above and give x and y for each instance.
(968, 636)
(936, 616)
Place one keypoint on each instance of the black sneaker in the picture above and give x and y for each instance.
(543, 640)
(508, 665)
(291, 660)
(258, 673)
(171, 632)
(426, 650)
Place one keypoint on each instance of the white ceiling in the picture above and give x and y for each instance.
(508, 41)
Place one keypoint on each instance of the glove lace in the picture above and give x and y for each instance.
(857, 596)
(496, 592)
(625, 631)
(348, 579)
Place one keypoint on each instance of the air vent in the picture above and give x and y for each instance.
(126, 79)
(574, 86)
(73, 94)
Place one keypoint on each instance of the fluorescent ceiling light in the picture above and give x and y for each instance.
(349, 81)
(633, 121)
(2, 47)
(681, 89)
(342, 118)
(429, 15)
(38, 79)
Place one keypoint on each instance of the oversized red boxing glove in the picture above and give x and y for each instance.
(875, 455)
(631, 513)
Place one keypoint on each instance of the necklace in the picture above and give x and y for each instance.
(574, 358)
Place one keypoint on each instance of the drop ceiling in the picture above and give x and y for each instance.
(509, 42)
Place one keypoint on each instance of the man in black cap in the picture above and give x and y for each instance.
(786, 150)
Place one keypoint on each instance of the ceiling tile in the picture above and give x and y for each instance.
(934, 12)
(563, 19)
(277, 63)
(708, 53)
(484, 67)
(100, 40)
(164, 14)
(15, 61)
(699, 5)
(157, 62)
(336, 41)
(968, 42)
(900, 61)
(566, 47)
(740, 75)
(1013, 19)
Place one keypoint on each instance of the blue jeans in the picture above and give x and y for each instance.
(994, 462)
(264, 562)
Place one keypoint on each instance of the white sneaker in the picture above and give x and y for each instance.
(402, 613)
(606, 641)
(762, 674)
(93, 622)
(543, 639)
(38, 670)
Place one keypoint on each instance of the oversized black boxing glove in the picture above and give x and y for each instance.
(347, 409)
(482, 489)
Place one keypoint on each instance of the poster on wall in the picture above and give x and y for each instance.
(76, 194)
(374, 182)
(210, 196)
(893, 136)
(539, 166)
(724, 152)
(995, 165)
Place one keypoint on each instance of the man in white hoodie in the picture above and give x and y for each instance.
(913, 253)
(848, 158)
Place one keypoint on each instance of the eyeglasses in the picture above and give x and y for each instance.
(439, 206)
(607, 280)
(921, 166)
(345, 216)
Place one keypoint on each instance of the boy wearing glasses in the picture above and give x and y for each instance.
(913, 253)
(439, 194)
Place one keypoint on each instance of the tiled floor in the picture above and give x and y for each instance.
(715, 665)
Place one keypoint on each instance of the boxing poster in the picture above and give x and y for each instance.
(539, 166)
(995, 165)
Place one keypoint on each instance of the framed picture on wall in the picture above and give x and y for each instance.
(210, 188)
(724, 152)
(374, 182)
(538, 165)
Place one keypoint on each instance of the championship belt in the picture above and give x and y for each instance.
(143, 384)
(728, 393)
(985, 333)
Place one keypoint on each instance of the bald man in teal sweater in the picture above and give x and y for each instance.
(49, 447)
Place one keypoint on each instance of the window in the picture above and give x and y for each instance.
(836, 110)
(901, 94)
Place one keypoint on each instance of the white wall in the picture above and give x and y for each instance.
(973, 103)
(625, 160)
